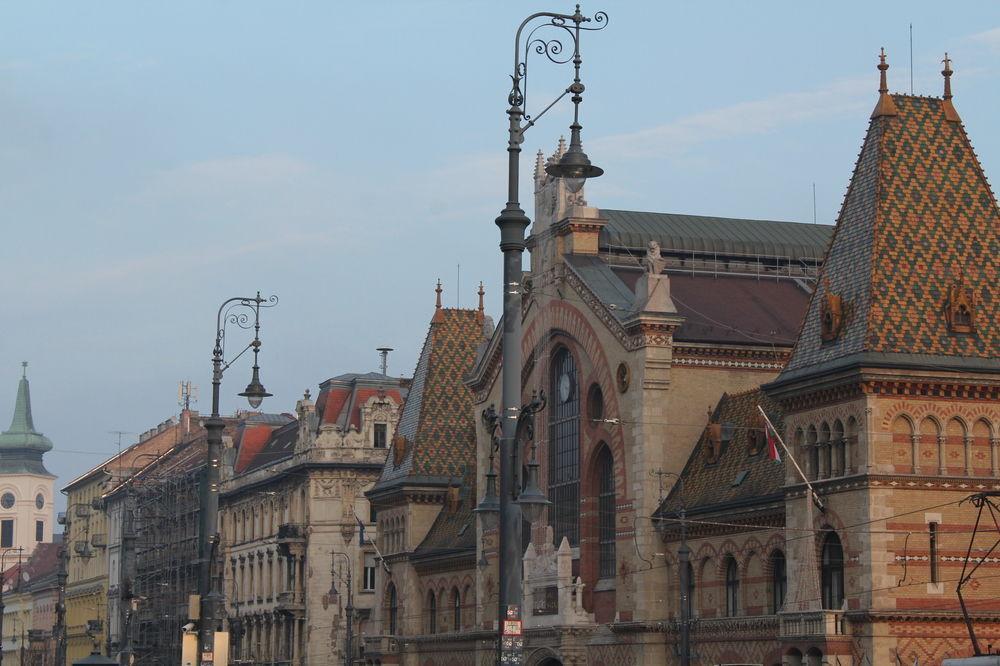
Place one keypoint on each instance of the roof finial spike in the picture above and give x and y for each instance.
(946, 73)
(883, 86)
(885, 106)
(482, 293)
(438, 290)
(24, 369)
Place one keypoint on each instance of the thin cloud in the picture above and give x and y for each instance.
(989, 38)
(679, 136)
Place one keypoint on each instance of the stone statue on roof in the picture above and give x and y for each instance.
(653, 262)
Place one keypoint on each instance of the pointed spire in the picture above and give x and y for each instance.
(950, 113)
(946, 73)
(883, 66)
(22, 433)
(438, 314)
(480, 314)
(539, 164)
(885, 106)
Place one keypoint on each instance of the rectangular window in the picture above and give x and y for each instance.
(369, 577)
(932, 528)
(39, 531)
(7, 534)
(380, 435)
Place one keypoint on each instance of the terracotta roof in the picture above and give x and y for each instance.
(733, 309)
(738, 476)
(918, 218)
(437, 419)
(280, 445)
(252, 438)
(341, 397)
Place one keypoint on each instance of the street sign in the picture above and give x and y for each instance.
(511, 638)
(512, 628)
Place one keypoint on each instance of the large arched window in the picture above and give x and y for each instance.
(779, 581)
(732, 587)
(606, 513)
(432, 615)
(456, 610)
(392, 609)
(564, 450)
(832, 572)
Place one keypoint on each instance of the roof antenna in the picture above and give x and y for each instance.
(911, 58)
(384, 363)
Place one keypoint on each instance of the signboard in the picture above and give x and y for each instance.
(512, 639)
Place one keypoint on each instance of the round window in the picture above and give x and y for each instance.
(7, 501)
(595, 403)
(39, 502)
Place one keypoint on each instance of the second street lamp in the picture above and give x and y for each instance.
(235, 311)
(575, 167)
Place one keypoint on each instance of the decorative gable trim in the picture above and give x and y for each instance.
(960, 310)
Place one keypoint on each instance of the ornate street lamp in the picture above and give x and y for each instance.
(235, 311)
(575, 167)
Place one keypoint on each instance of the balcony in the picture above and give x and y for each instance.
(381, 645)
(292, 603)
(291, 539)
(816, 623)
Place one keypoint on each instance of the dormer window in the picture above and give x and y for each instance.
(961, 310)
(831, 315)
(379, 436)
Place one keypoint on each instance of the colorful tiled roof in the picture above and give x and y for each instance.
(738, 476)
(437, 419)
(918, 219)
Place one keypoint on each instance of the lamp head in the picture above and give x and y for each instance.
(574, 167)
(488, 508)
(531, 499)
(255, 392)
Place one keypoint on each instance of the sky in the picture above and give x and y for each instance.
(157, 158)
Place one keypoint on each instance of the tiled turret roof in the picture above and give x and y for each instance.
(437, 419)
(919, 221)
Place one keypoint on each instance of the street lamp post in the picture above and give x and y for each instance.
(349, 644)
(3, 569)
(232, 311)
(574, 167)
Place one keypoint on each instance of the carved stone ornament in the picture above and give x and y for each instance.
(713, 442)
(961, 309)
(398, 449)
(623, 376)
(831, 314)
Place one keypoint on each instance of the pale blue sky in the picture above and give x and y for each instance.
(156, 158)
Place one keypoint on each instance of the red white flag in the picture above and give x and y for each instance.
(772, 442)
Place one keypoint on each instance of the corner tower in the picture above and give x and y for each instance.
(26, 493)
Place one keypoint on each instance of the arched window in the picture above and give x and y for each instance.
(832, 573)
(432, 623)
(811, 443)
(606, 513)
(564, 450)
(392, 609)
(456, 610)
(779, 581)
(732, 587)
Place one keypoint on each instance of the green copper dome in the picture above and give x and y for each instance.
(22, 434)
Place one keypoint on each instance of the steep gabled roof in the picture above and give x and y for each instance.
(437, 419)
(341, 398)
(738, 476)
(918, 219)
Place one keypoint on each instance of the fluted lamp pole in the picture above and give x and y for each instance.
(534, 35)
(237, 311)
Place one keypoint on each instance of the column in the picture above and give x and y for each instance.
(995, 463)
(967, 441)
(942, 465)
(915, 453)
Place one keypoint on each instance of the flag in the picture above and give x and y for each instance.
(772, 442)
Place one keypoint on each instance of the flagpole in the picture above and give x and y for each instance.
(816, 499)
